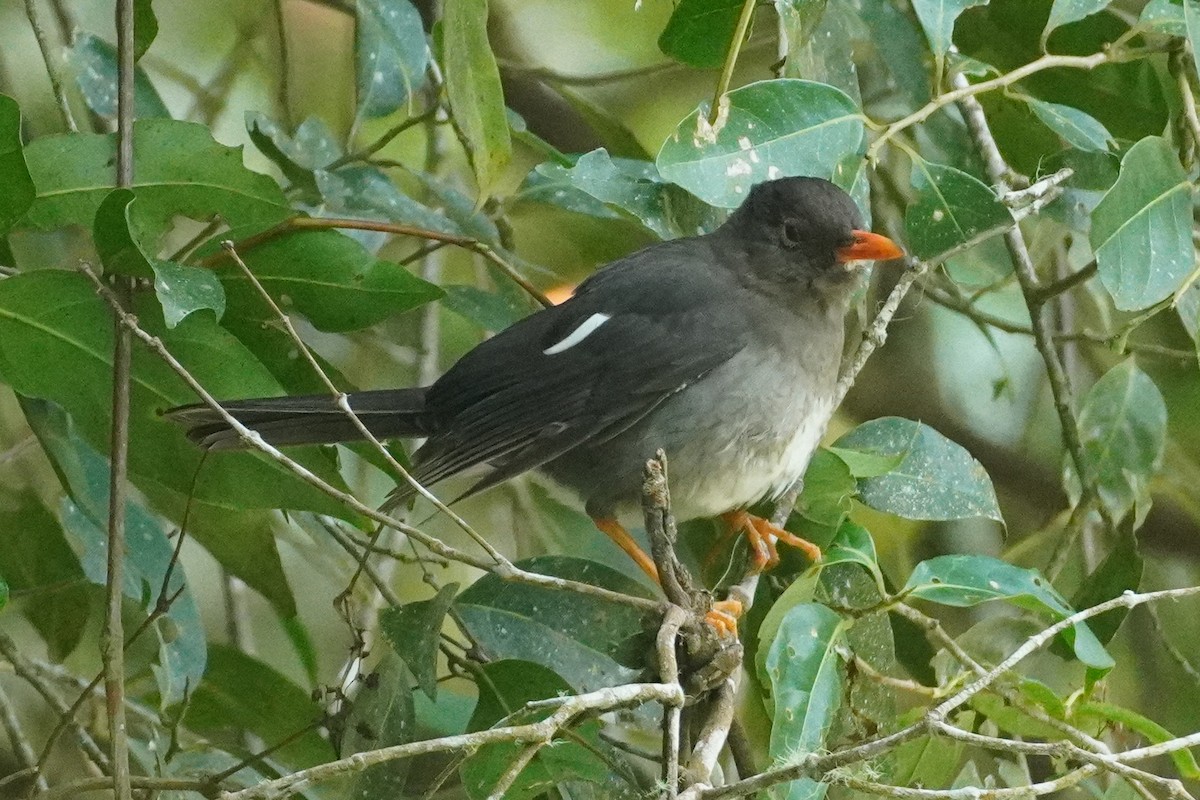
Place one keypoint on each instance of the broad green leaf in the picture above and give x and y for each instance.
(952, 210)
(1188, 308)
(773, 129)
(1074, 126)
(414, 630)
(391, 55)
(242, 541)
(806, 678)
(937, 18)
(55, 317)
(94, 62)
(508, 686)
(1123, 425)
(936, 480)
(240, 693)
(853, 545)
(1163, 17)
(365, 192)
(1063, 12)
(381, 715)
(145, 27)
(867, 465)
(473, 88)
(1142, 229)
(1185, 762)
(616, 137)
(297, 155)
(181, 171)
(38, 564)
(1119, 572)
(929, 761)
(327, 277)
(489, 310)
(699, 31)
(824, 501)
(182, 289)
(578, 636)
(18, 191)
(967, 580)
(119, 238)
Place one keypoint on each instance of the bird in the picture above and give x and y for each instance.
(720, 349)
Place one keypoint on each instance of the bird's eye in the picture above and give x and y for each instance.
(792, 235)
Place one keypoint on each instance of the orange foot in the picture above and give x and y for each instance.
(723, 617)
(761, 534)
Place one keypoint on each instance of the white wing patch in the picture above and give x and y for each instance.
(579, 334)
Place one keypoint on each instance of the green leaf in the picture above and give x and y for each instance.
(867, 465)
(936, 480)
(382, 714)
(773, 129)
(1163, 17)
(327, 277)
(1185, 762)
(853, 545)
(822, 38)
(38, 564)
(1191, 23)
(491, 311)
(366, 192)
(473, 89)
(937, 18)
(699, 31)
(19, 190)
(145, 27)
(1123, 426)
(414, 630)
(967, 580)
(1063, 12)
(578, 636)
(1119, 572)
(928, 761)
(952, 210)
(824, 501)
(119, 240)
(240, 693)
(806, 679)
(391, 55)
(507, 687)
(182, 289)
(55, 317)
(181, 171)
(1074, 126)
(1188, 308)
(1142, 229)
(94, 62)
(298, 155)
(615, 136)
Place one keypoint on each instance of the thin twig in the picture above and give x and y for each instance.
(21, 748)
(668, 672)
(1066, 781)
(47, 50)
(731, 57)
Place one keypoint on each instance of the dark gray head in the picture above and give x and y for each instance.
(799, 235)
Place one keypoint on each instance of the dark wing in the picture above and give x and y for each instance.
(655, 322)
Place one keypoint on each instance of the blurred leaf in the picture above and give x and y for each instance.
(929, 761)
(965, 580)
(118, 237)
(1074, 126)
(1188, 308)
(936, 478)
(414, 630)
(773, 129)
(458, 208)
(578, 636)
(145, 27)
(473, 89)
(18, 191)
(489, 310)
(391, 54)
(181, 171)
(55, 317)
(37, 563)
(242, 694)
(1123, 427)
(699, 31)
(806, 678)
(327, 277)
(952, 209)
(1063, 12)
(1119, 572)
(937, 18)
(1185, 762)
(1163, 17)
(182, 289)
(611, 129)
(1191, 23)
(823, 40)
(381, 715)
(298, 156)
(365, 192)
(94, 62)
(799, 19)
(508, 686)
(1142, 229)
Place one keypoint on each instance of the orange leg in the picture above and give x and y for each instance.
(724, 616)
(616, 531)
(761, 534)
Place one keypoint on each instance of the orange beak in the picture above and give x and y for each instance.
(869, 246)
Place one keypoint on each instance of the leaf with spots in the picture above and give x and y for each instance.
(935, 479)
(953, 210)
(968, 580)
(770, 129)
(806, 678)
(391, 55)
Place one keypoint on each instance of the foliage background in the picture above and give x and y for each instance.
(257, 620)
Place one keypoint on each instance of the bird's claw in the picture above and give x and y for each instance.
(723, 617)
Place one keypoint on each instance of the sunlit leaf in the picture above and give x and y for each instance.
(1142, 229)
(772, 129)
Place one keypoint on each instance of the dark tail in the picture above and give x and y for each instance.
(313, 419)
